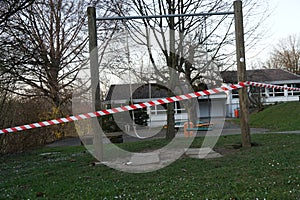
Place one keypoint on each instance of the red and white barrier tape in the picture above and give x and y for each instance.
(255, 84)
(141, 105)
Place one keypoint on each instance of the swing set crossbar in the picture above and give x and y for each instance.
(162, 16)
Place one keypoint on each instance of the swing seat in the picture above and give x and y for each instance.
(201, 126)
(199, 129)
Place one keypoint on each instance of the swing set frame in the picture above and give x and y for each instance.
(240, 59)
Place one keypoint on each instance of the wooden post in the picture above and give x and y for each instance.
(241, 70)
(170, 134)
(95, 85)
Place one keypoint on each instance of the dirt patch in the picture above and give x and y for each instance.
(232, 148)
(226, 150)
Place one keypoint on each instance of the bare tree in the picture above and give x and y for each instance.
(188, 45)
(177, 39)
(286, 55)
(8, 8)
(44, 45)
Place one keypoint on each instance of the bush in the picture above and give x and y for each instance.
(20, 111)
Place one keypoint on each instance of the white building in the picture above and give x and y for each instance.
(268, 96)
(208, 106)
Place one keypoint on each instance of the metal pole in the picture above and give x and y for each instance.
(163, 16)
(241, 70)
(95, 85)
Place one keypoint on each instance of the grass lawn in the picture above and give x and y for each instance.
(270, 170)
(280, 117)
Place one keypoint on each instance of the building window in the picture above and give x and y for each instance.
(235, 94)
(294, 93)
(276, 92)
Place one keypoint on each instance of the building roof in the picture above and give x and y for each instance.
(120, 93)
(139, 91)
(261, 75)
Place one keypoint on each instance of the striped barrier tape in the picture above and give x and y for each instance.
(265, 85)
(141, 105)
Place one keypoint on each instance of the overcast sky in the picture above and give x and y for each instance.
(284, 21)
(286, 18)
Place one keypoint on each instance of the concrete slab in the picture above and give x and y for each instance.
(202, 153)
(144, 158)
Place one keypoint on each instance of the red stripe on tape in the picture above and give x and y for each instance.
(215, 90)
(33, 126)
(133, 107)
(124, 108)
(169, 99)
(151, 103)
(179, 98)
(160, 101)
(197, 94)
(14, 129)
(4, 131)
(143, 105)
(114, 110)
(60, 121)
(206, 92)
(106, 112)
(188, 96)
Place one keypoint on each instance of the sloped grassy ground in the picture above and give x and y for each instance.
(280, 117)
(268, 171)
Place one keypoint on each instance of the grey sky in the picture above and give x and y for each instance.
(283, 22)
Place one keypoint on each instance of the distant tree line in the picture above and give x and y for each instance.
(286, 55)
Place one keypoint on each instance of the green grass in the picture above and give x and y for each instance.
(270, 170)
(280, 117)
